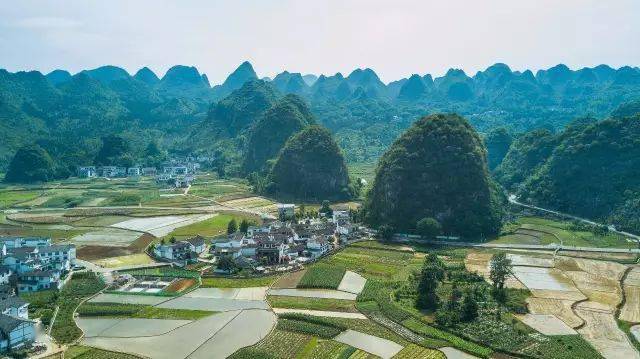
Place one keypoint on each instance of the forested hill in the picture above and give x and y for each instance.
(591, 169)
(365, 114)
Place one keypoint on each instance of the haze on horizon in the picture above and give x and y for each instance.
(395, 39)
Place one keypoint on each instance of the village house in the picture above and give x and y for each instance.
(178, 252)
(37, 264)
(87, 172)
(318, 246)
(134, 172)
(39, 280)
(15, 333)
(197, 244)
(14, 306)
(149, 171)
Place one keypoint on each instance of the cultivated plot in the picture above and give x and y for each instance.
(453, 353)
(547, 324)
(221, 333)
(377, 346)
(127, 328)
(107, 237)
(163, 225)
(313, 293)
(352, 282)
(127, 299)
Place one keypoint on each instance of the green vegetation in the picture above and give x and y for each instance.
(278, 344)
(31, 164)
(538, 230)
(211, 227)
(322, 276)
(416, 179)
(269, 134)
(81, 286)
(497, 141)
(164, 272)
(332, 305)
(83, 352)
(9, 198)
(305, 324)
(310, 167)
(237, 282)
(139, 311)
(527, 153)
(607, 154)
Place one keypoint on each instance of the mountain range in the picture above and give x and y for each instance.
(364, 113)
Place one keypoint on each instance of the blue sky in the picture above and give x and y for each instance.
(395, 38)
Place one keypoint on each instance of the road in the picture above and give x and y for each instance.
(514, 200)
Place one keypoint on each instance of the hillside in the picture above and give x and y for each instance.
(593, 172)
(436, 169)
(310, 167)
(269, 134)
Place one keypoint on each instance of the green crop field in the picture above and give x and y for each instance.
(211, 227)
(139, 311)
(83, 352)
(9, 198)
(322, 276)
(332, 305)
(222, 282)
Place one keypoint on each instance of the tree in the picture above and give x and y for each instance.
(30, 164)
(432, 272)
(385, 232)
(302, 210)
(469, 309)
(500, 270)
(172, 240)
(428, 227)
(326, 208)
(232, 227)
(244, 226)
(227, 264)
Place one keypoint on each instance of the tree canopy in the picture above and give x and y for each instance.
(436, 169)
(30, 164)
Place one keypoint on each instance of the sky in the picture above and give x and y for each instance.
(394, 38)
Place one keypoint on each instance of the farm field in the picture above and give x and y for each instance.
(221, 282)
(334, 305)
(210, 227)
(535, 230)
(322, 276)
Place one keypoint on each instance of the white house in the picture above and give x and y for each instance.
(5, 273)
(178, 251)
(15, 307)
(318, 246)
(18, 242)
(39, 280)
(15, 332)
(87, 172)
(134, 172)
(197, 244)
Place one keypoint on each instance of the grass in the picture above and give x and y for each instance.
(34, 231)
(228, 282)
(322, 276)
(455, 341)
(10, 198)
(563, 347)
(211, 227)
(332, 305)
(84, 352)
(139, 311)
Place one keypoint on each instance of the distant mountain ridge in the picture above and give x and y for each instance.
(364, 113)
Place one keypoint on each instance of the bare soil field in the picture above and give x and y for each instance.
(560, 308)
(290, 280)
(479, 262)
(547, 324)
(98, 252)
(601, 330)
(630, 312)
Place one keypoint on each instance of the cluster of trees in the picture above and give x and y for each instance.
(461, 304)
(589, 169)
(434, 179)
(233, 227)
